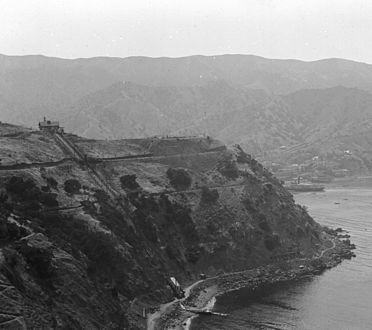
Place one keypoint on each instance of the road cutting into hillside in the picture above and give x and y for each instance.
(154, 318)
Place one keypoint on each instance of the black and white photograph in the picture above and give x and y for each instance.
(185, 164)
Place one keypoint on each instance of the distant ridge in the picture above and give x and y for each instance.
(257, 102)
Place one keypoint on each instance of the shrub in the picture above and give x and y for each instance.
(300, 232)
(101, 195)
(39, 261)
(23, 189)
(272, 242)
(179, 178)
(49, 199)
(52, 182)
(30, 206)
(148, 228)
(170, 252)
(228, 168)
(25, 192)
(29, 196)
(209, 195)
(72, 186)
(129, 182)
(264, 226)
(242, 157)
(3, 197)
(192, 254)
(13, 230)
(45, 188)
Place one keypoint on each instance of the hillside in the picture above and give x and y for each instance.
(90, 230)
(233, 114)
(312, 122)
(333, 121)
(313, 109)
(33, 86)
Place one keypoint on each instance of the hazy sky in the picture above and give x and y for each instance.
(303, 29)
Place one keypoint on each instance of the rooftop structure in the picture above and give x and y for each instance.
(50, 126)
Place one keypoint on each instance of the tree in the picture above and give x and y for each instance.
(72, 186)
(179, 178)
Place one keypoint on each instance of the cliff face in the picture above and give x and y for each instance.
(90, 244)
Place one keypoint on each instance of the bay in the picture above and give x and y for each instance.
(340, 298)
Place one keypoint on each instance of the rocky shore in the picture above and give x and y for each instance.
(201, 295)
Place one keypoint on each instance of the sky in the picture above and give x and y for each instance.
(301, 29)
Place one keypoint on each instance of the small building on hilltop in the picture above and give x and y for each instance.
(50, 126)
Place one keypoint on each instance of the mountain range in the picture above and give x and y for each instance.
(310, 108)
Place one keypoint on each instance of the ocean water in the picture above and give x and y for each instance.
(340, 298)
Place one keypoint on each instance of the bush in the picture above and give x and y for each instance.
(264, 226)
(242, 157)
(49, 199)
(300, 232)
(13, 230)
(39, 261)
(209, 195)
(45, 189)
(29, 196)
(179, 178)
(30, 207)
(101, 195)
(52, 182)
(72, 186)
(148, 227)
(272, 242)
(3, 197)
(228, 168)
(129, 182)
(23, 189)
(25, 192)
(193, 254)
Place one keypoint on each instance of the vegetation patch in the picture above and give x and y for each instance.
(52, 182)
(72, 186)
(264, 226)
(228, 168)
(272, 242)
(129, 182)
(104, 258)
(209, 195)
(179, 178)
(38, 260)
(193, 254)
(27, 196)
(242, 157)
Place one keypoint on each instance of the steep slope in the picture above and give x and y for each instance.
(69, 259)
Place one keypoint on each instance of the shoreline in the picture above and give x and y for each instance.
(209, 306)
(202, 294)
